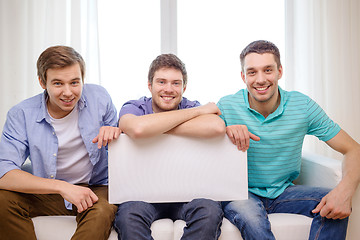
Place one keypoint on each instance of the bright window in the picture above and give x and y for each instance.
(210, 36)
(129, 39)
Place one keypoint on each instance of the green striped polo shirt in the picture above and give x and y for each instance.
(274, 161)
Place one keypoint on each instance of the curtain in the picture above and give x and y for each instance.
(27, 28)
(323, 61)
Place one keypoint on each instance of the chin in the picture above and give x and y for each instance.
(168, 108)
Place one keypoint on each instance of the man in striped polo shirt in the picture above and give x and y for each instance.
(276, 124)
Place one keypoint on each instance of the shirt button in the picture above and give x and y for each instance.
(54, 154)
(52, 176)
(53, 133)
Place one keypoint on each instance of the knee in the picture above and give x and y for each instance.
(207, 210)
(105, 207)
(129, 212)
(103, 212)
(244, 210)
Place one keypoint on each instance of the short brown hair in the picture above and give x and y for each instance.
(167, 61)
(260, 47)
(58, 57)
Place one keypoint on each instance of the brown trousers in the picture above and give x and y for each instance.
(17, 209)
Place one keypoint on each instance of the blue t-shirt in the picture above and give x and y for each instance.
(143, 106)
(274, 161)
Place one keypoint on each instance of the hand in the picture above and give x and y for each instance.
(210, 108)
(335, 205)
(106, 135)
(240, 136)
(82, 197)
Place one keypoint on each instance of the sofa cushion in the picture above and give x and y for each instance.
(284, 227)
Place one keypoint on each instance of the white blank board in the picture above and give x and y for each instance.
(170, 168)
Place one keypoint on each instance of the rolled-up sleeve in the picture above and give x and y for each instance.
(13, 145)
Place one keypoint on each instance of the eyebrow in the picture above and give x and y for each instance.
(266, 66)
(56, 79)
(178, 80)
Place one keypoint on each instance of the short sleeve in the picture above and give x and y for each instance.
(319, 124)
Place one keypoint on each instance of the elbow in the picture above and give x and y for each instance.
(136, 133)
(219, 129)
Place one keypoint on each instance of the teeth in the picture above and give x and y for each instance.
(67, 100)
(167, 98)
(261, 89)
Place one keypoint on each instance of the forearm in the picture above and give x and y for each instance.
(351, 169)
(156, 124)
(209, 125)
(21, 181)
(344, 144)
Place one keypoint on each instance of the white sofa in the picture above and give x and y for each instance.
(316, 171)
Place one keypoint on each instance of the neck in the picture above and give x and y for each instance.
(265, 108)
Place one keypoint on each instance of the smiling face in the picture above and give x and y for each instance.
(64, 88)
(261, 74)
(166, 89)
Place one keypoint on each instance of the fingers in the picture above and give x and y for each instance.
(333, 212)
(231, 136)
(254, 137)
(240, 136)
(84, 204)
(87, 202)
(79, 207)
(244, 140)
(318, 208)
(93, 197)
(106, 135)
(95, 139)
(330, 211)
(211, 108)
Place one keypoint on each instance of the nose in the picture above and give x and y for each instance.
(261, 79)
(168, 87)
(67, 91)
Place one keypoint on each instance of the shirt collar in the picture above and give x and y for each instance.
(43, 113)
(279, 110)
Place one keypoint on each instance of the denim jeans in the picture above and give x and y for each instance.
(203, 218)
(250, 216)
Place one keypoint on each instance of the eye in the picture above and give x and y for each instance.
(251, 73)
(268, 70)
(57, 83)
(75, 82)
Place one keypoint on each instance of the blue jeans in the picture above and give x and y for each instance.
(203, 218)
(250, 216)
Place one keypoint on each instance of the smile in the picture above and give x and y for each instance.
(67, 101)
(261, 88)
(167, 98)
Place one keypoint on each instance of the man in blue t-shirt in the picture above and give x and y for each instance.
(167, 111)
(276, 124)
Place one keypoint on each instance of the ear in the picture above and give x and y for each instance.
(280, 71)
(42, 84)
(184, 88)
(149, 86)
(243, 77)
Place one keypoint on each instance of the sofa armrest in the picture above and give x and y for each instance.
(321, 171)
